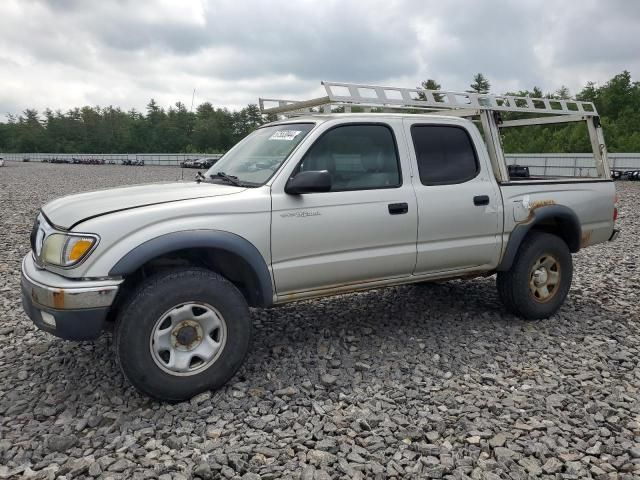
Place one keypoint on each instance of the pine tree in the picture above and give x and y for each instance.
(480, 84)
(430, 84)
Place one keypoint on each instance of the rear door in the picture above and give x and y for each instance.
(459, 203)
(364, 229)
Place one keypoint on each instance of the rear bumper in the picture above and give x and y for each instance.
(614, 234)
(69, 309)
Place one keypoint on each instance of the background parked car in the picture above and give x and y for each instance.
(188, 163)
(625, 175)
(198, 163)
(205, 163)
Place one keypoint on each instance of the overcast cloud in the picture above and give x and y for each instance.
(66, 53)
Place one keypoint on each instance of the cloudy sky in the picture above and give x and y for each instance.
(67, 53)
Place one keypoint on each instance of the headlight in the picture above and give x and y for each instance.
(66, 250)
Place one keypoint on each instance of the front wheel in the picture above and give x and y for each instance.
(537, 283)
(181, 333)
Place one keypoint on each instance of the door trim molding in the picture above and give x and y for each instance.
(476, 271)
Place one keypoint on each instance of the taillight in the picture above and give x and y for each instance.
(615, 213)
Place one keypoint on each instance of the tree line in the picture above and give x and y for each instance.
(617, 102)
(213, 130)
(112, 130)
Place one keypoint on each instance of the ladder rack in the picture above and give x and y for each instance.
(430, 101)
(480, 106)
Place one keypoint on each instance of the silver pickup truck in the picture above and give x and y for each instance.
(311, 205)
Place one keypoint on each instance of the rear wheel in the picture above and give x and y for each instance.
(539, 279)
(181, 333)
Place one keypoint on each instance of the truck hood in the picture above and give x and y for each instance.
(66, 212)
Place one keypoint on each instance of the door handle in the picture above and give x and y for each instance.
(398, 208)
(481, 200)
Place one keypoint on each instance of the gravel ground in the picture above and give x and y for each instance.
(429, 381)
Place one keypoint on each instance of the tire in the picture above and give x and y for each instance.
(542, 259)
(166, 334)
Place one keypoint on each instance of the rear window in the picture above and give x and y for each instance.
(445, 154)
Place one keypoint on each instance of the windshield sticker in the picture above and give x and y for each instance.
(287, 135)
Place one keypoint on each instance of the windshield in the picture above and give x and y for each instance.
(252, 161)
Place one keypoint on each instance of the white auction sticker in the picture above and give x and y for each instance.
(285, 135)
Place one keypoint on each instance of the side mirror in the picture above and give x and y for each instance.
(312, 181)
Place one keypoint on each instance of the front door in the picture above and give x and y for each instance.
(459, 203)
(363, 229)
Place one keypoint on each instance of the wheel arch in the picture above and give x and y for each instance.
(230, 255)
(556, 219)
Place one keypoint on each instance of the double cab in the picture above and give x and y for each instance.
(306, 206)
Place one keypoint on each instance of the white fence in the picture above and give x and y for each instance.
(167, 159)
(561, 164)
(572, 164)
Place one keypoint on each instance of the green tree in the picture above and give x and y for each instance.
(588, 93)
(210, 129)
(480, 84)
(246, 121)
(30, 132)
(178, 128)
(206, 132)
(430, 84)
(563, 93)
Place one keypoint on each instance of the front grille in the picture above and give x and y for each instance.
(34, 233)
(41, 230)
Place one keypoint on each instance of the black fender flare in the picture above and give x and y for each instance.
(217, 239)
(571, 231)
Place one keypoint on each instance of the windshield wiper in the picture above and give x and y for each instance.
(232, 179)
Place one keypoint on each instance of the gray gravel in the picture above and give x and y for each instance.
(431, 381)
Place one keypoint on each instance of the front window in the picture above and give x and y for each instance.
(358, 157)
(256, 158)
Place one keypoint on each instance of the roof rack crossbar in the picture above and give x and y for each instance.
(352, 94)
(292, 105)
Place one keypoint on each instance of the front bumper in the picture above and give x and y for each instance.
(69, 309)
